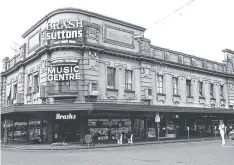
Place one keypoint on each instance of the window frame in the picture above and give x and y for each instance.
(160, 84)
(111, 77)
(188, 88)
(200, 89)
(127, 77)
(175, 83)
(211, 91)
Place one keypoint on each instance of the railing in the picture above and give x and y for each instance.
(116, 101)
(56, 89)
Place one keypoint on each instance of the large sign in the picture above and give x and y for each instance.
(70, 116)
(62, 30)
(63, 73)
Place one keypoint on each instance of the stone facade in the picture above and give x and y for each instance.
(112, 43)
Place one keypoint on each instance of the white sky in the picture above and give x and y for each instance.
(204, 28)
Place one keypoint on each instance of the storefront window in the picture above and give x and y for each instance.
(106, 129)
(35, 131)
(20, 131)
(151, 128)
(167, 126)
(139, 127)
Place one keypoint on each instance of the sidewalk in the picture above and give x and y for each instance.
(80, 147)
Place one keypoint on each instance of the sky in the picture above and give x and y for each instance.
(203, 28)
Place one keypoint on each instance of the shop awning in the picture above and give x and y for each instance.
(111, 107)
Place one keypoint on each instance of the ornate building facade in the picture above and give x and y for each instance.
(81, 72)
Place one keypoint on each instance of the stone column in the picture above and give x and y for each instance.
(225, 94)
(102, 80)
(217, 93)
(168, 88)
(207, 92)
(182, 89)
(121, 84)
(154, 87)
(137, 84)
(195, 91)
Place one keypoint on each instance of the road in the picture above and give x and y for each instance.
(193, 153)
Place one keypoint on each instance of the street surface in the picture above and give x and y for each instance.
(193, 153)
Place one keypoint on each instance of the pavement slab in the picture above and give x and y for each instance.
(191, 153)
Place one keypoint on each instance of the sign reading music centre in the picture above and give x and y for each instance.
(63, 73)
(62, 30)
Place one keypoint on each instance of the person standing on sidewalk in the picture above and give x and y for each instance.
(222, 131)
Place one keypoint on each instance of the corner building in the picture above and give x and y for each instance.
(121, 83)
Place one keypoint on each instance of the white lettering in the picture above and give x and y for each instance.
(50, 77)
(77, 76)
(51, 70)
(76, 69)
(70, 116)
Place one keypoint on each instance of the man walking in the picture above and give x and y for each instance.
(222, 131)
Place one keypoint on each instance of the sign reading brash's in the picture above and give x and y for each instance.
(66, 117)
(67, 29)
(63, 73)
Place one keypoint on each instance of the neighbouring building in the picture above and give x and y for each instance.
(80, 72)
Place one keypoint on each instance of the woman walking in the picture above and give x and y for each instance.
(222, 131)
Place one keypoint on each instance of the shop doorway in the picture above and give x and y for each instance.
(67, 131)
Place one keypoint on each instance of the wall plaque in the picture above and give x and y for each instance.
(117, 36)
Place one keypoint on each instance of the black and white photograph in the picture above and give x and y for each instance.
(117, 82)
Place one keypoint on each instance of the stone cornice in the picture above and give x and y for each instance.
(228, 51)
(185, 55)
(114, 52)
(79, 11)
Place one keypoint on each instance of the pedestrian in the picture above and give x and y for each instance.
(222, 131)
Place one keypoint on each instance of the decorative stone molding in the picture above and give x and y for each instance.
(144, 46)
(202, 100)
(176, 99)
(161, 97)
(212, 101)
(189, 99)
(117, 36)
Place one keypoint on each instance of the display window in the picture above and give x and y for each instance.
(108, 129)
(151, 128)
(20, 131)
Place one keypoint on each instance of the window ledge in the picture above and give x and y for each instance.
(189, 97)
(201, 97)
(110, 89)
(176, 95)
(129, 91)
(212, 98)
(161, 94)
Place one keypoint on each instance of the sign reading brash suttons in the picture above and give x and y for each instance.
(63, 73)
(66, 29)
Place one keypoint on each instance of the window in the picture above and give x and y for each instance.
(221, 91)
(188, 88)
(111, 77)
(160, 84)
(128, 80)
(211, 90)
(15, 91)
(29, 83)
(150, 92)
(175, 86)
(64, 86)
(94, 87)
(36, 83)
(200, 89)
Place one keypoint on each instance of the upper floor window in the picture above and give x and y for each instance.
(200, 89)
(15, 91)
(128, 79)
(211, 90)
(189, 88)
(111, 77)
(29, 83)
(175, 86)
(36, 83)
(221, 91)
(160, 84)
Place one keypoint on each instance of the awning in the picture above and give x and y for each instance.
(112, 107)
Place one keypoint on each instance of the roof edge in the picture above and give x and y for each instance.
(85, 12)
